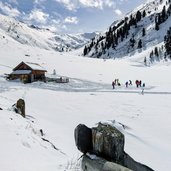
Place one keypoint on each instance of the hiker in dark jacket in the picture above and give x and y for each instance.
(113, 84)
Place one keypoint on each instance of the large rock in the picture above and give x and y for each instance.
(20, 107)
(83, 138)
(100, 164)
(108, 142)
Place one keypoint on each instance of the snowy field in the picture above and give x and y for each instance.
(89, 98)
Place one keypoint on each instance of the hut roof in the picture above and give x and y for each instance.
(32, 66)
(35, 66)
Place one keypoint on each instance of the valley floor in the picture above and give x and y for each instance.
(58, 108)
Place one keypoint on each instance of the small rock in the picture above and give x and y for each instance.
(41, 132)
(19, 107)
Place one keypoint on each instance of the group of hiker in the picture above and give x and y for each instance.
(138, 83)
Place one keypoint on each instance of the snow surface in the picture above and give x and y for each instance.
(88, 98)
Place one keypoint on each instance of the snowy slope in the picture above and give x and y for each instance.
(42, 38)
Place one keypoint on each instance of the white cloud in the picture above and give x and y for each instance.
(97, 3)
(8, 10)
(92, 3)
(69, 4)
(118, 12)
(72, 20)
(75, 4)
(38, 1)
(39, 16)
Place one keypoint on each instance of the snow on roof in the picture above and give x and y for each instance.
(18, 72)
(34, 66)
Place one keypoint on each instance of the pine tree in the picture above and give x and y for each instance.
(85, 51)
(143, 32)
(157, 26)
(139, 44)
(144, 13)
(138, 16)
(102, 45)
(156, 52)
(163, 14)
(168, 43)
(113, 46)
(131, 20)
(132, 41)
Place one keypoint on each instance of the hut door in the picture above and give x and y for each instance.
(32, 77)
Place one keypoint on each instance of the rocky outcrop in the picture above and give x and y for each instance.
(100, 164)
(106, 142)
(83, 138)
(19, 107)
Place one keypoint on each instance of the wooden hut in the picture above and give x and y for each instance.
(28, 72)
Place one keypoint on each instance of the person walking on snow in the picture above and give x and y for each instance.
(143, 86)
(126, 84)
(130, 82)
(113, 84)
(137, 83)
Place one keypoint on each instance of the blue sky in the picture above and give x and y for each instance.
(69, 16)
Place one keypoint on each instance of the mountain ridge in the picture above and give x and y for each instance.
(123, 36)
(42, 37)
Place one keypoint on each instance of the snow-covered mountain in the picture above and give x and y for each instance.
(140, 29)
(42, 38)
